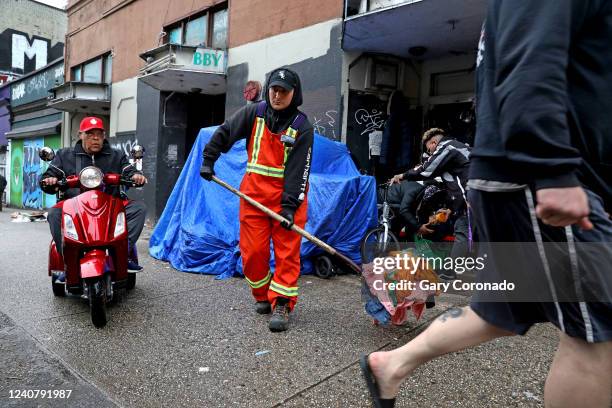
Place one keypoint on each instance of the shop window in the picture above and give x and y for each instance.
(92, 71)
(206, 29)
(108, 69)
(97, 71)
(219, 39)
(77, 74)
(196, 31)
(450, 83)
(176, 35)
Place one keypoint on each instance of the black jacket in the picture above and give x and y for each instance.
(240, 125)
(108, 160)
(405, 195)
(544, 95)
(451, 162)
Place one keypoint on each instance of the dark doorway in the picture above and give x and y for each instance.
(202, 111)
(457, 119)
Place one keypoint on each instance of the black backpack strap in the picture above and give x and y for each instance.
(261, 109)
(291, 133)
(298, 121)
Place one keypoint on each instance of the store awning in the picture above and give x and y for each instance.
(85, 97)
(42, 129)
(180, 68)
(443, 27)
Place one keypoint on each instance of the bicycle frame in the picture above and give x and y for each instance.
(384, 220)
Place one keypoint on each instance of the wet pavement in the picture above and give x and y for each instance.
(188, 340)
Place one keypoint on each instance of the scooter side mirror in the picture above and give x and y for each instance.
(46, 154)
(137, 152)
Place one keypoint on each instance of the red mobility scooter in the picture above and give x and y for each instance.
(95, 238)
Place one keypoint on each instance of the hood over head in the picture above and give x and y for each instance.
(286, 78)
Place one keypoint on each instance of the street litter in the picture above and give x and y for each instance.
(530, 395)
(261, 353)
(34, 216)
(204, 369)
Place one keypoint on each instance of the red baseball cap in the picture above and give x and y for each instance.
(91, 122)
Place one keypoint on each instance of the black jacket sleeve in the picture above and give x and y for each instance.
(408, 206)
(297, 168)
(439, 162)
(52, 172)
(237, 127)
(532, 47)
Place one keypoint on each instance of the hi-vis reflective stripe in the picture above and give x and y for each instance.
(283, 290)
(291, 132)
(261, 124)
(287, 150)
(253, 166)
(260, 283)
(265, 170)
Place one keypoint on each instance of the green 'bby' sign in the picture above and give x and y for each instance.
(210, 59)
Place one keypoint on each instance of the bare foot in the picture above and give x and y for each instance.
(385, 373)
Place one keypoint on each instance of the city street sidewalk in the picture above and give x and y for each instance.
(182, 339)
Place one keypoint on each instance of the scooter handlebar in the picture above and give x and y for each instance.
(68, 182)
(116, 179)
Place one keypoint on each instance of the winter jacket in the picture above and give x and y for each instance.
(405, 195)
(240, 126)
(451, 162)
(544, 94)
(108, 160)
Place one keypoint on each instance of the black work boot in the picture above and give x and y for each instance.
(280, 317)
(263, 307)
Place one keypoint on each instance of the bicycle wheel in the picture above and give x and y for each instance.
(374, 244)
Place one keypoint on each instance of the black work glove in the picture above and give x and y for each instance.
(206, 171)
(288, 215)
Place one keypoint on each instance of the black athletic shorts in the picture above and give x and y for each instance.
(558, 274)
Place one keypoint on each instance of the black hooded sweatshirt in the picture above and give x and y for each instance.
(544, 95)
(240, 126)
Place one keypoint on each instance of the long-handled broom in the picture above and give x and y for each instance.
(327, 248)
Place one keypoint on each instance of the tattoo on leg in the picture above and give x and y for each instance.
(452, 313)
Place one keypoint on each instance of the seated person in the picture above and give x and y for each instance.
(404, 198)
(94, 150)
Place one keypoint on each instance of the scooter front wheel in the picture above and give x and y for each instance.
(97, 302)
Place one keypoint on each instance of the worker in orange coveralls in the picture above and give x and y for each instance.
(279, 149)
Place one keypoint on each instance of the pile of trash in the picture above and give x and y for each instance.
(390, 294)
(32, 216)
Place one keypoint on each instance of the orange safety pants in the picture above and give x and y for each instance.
(256, 230)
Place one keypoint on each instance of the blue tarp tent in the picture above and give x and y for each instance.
(199, 229)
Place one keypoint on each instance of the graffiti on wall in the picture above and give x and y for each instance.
(26, 169)
(325, 124)
(125, 145)
(32, 194)
(16, 173)
(22, 54)
(369, 120)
